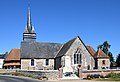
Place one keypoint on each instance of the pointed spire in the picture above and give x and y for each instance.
(29, 33)
(29, 23)
(29, 28)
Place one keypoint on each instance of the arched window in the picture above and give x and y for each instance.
(77, 57)
(103, 62)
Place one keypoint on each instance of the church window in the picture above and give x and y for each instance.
(32, 62)
(47, 61)
(77, 57)
(75, 62)
(103, 62)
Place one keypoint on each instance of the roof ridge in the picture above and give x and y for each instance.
(67, 44)
(100, 54)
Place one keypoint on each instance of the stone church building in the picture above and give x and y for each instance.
(49, 56)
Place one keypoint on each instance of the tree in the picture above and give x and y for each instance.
(105, 48)
(111, 57)
(118, 60)
(100, 46)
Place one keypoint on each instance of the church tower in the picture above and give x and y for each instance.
(29, 33)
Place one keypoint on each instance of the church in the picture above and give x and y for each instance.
(48, 56)
(52, 56)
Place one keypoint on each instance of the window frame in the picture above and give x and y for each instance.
(32, 62)
(47, 62)
(103, 62)
(77, 57)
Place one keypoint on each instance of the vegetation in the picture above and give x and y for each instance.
(113, 77)
(118, 60)
(105, 48)
(109, 77)
(94, 76)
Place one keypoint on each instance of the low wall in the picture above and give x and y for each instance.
(84, 74)
(51, 74)
(7, 70)
(55, 74)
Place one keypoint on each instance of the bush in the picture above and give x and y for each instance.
(89, 77)
(67, 73)
(94, 76)
(113, 75)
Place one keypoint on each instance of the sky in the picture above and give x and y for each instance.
(95, 21)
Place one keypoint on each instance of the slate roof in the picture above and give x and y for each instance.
(65, 47)
(91, 50)
(13, 55)
(39, 50)
(48, 50)
(100, 54)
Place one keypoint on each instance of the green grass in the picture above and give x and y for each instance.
(108, 79)
(111, 77)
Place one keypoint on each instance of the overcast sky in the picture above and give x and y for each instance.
(95, 21)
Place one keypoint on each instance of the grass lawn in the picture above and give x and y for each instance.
(108, 79)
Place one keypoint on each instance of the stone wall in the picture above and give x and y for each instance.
(25, 63)
(101, 65)
(7, 70)
(54, 74)
(87, 59)
(84, 74)
(39, 64)
(51, 74)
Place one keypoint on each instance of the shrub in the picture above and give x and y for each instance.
(94, 76)
(67, 73)
(89, 77)
(113, 75)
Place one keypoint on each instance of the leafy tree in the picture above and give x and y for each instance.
(100, 46)
(118, 60)
(111, 56)
(105, 48)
